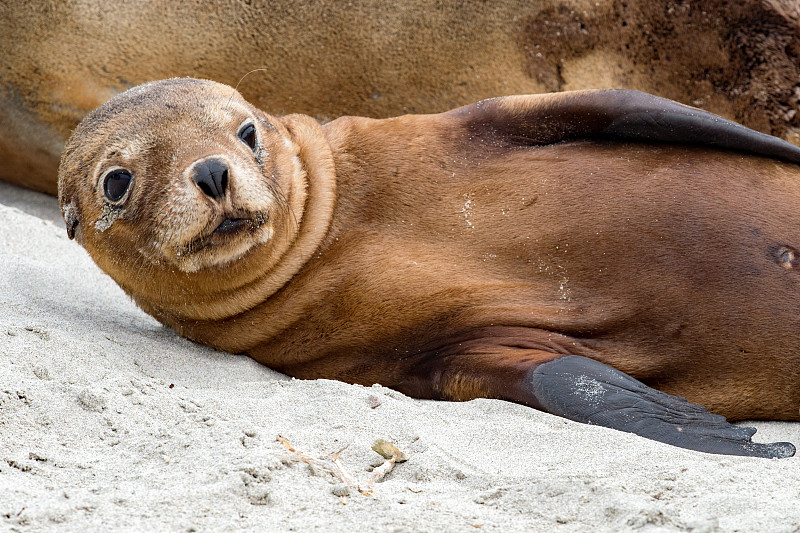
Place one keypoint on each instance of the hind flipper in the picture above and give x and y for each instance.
(611, 115)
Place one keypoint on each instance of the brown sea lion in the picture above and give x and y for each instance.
(382, 58)
(590, 254)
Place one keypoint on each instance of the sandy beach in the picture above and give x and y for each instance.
(111, 422)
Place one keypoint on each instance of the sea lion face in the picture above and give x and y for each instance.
(180, 172)
(199, 205)
(182, 192)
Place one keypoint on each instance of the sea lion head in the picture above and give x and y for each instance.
(182, 191)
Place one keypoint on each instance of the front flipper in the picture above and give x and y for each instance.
(540, 369)
(585, 390)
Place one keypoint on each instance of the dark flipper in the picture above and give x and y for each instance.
(619, 114)
(585, 390)
(540, 369)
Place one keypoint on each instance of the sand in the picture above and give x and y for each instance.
(111, 422)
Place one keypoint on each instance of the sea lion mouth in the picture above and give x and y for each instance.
(231, 225)
(219, 233)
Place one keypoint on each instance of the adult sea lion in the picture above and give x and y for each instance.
(382, 58)
(591, 254)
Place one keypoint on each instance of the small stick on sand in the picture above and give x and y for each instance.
(333, 466)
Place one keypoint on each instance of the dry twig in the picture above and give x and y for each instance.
(333, 465)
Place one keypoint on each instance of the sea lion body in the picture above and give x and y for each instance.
(625, 253)
(520, 248)
(610, 252)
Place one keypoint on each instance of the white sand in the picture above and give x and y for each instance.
(94, 437)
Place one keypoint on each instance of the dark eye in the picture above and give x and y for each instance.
(248, 136)
(116, 184)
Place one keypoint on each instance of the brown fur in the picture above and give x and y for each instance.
(379, 59)
(431, 254)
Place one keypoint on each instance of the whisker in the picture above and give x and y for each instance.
(241, 80)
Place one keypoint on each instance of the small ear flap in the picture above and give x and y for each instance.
(71, 219)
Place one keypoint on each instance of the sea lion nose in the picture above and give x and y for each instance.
(211, 175)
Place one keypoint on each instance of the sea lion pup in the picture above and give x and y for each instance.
(572, 252)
